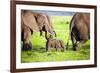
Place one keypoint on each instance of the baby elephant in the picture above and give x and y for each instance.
(55, 44)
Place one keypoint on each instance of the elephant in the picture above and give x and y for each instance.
(34, 22)
(79, 29)
(56, 44)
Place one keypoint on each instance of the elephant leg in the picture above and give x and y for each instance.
(48, 49)
(58, 45)
(41, 32)
(47, 46)
(46, 35)
(27, 45)
(74, 42)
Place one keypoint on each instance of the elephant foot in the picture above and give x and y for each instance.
(76, 48)
(27, 46)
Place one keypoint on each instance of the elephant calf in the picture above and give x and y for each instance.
(55, 44)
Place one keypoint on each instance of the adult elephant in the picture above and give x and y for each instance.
(80, 29)
(34, 22)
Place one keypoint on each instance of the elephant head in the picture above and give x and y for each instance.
(45, 24)
(36, 22)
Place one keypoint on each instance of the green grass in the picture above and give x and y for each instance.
(39, 54)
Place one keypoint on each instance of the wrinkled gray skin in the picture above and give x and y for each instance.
(56, 44)
(34, 22)
(80, 29)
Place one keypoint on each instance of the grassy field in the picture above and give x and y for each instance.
(39, 54)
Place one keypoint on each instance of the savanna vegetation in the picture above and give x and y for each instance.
(39, 54)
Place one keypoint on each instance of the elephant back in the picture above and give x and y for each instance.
(28, 19)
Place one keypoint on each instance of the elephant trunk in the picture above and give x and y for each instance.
(55, 34)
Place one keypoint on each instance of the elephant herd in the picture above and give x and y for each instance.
(40, 22)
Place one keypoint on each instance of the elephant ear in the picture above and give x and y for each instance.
(29, 20)
(41, 20)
